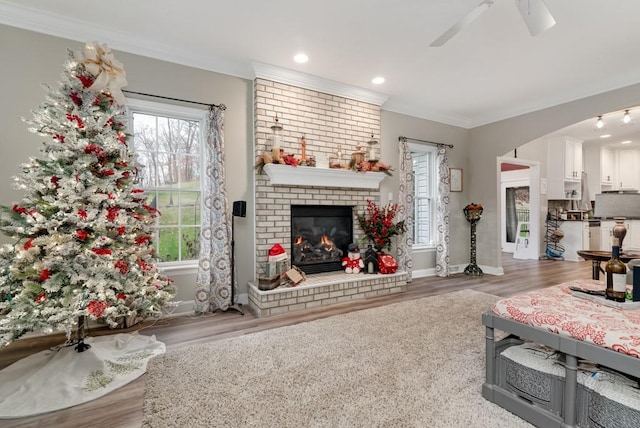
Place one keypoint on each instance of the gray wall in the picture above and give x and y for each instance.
(394, 125)
(495, 139)
(30, 59)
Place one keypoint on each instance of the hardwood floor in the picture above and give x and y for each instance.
(123, 407)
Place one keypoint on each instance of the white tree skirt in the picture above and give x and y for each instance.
(56, 379)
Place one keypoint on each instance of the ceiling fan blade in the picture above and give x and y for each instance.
(536, 15)
(471, 16)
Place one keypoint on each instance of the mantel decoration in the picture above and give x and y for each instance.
(473, 214)
(378, 226)
(357, 163)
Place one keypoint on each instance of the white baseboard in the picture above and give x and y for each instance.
(489, 270)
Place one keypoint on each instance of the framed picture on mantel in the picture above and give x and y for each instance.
(455, 179)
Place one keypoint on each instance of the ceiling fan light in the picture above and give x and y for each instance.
(627, 117)
(536, 15)
(599, 123)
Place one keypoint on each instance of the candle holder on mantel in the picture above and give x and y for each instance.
(473, 213)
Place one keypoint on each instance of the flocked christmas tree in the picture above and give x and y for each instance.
(82, 235)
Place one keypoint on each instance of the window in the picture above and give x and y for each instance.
(167, 141)
(424, 187)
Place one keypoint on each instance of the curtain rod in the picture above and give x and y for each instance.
(405, 139)
(220, 106)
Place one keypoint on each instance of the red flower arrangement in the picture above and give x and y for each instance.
(377, 224)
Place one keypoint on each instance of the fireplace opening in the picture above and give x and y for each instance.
(320, 237)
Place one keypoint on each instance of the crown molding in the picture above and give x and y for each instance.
(415, 111)
(315, 83)
(52, 24)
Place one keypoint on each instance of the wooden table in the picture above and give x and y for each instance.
(602, 256)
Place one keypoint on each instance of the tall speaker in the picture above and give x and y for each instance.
(240, 208)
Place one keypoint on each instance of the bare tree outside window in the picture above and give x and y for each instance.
(168, 156)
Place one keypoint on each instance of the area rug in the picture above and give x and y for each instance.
(418, 363)
(56, 379)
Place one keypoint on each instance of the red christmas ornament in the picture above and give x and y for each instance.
(41, 297)
(55, 181)
(28, 244)
(96, 308)
(75, 118)
(112, 213)
(82, 234)
(102, 251)
(142, 239)
(86, 81)
(82, 214)
(121, 296)
(121, 230)
(44, 275)
(122, 266)
(76, 99)
(59, 138)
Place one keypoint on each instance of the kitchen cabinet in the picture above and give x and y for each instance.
(628, 172)
(564, 168)
(605, 234)
(607, 166)
(631, 240)
(576, 238)
(572, 159)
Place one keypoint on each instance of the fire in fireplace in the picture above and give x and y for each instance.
(320, 236)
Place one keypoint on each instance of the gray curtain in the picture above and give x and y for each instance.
(511, 215)
(213, 289)
(405, 210)
(442, 214)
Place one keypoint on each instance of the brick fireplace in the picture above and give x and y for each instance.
(328, 123)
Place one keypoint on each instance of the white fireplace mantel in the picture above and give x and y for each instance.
(286, 175)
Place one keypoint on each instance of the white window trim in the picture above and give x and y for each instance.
(179, 112)
(416, 147)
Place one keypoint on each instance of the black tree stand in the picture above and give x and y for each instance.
(80, 332)
(473, 215)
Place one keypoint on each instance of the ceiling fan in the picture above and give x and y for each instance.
(535, 14)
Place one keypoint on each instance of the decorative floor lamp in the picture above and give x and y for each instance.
(618, 205)
(473, 213)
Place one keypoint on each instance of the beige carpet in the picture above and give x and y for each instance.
(418, 363)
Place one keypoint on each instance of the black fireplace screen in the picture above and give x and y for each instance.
(320, 236)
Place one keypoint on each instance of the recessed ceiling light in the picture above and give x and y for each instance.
(301, 58)
(377, 80)
(605, 136)
(625, 142)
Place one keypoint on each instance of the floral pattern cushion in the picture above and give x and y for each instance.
(557, 310)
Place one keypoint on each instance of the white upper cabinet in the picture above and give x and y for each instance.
(564, 168)
(607, 166)
(628, 171)
(572, 159)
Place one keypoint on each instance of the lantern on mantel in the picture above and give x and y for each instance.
(370, 260)
(371, 151)
(276, 135)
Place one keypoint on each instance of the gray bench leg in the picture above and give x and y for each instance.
(570, 390)
(490, 355)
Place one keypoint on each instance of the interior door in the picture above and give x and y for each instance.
(515, 210)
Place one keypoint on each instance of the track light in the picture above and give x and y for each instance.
(626, 118)
(599, 123)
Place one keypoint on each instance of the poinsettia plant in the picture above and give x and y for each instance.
(378, 225)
